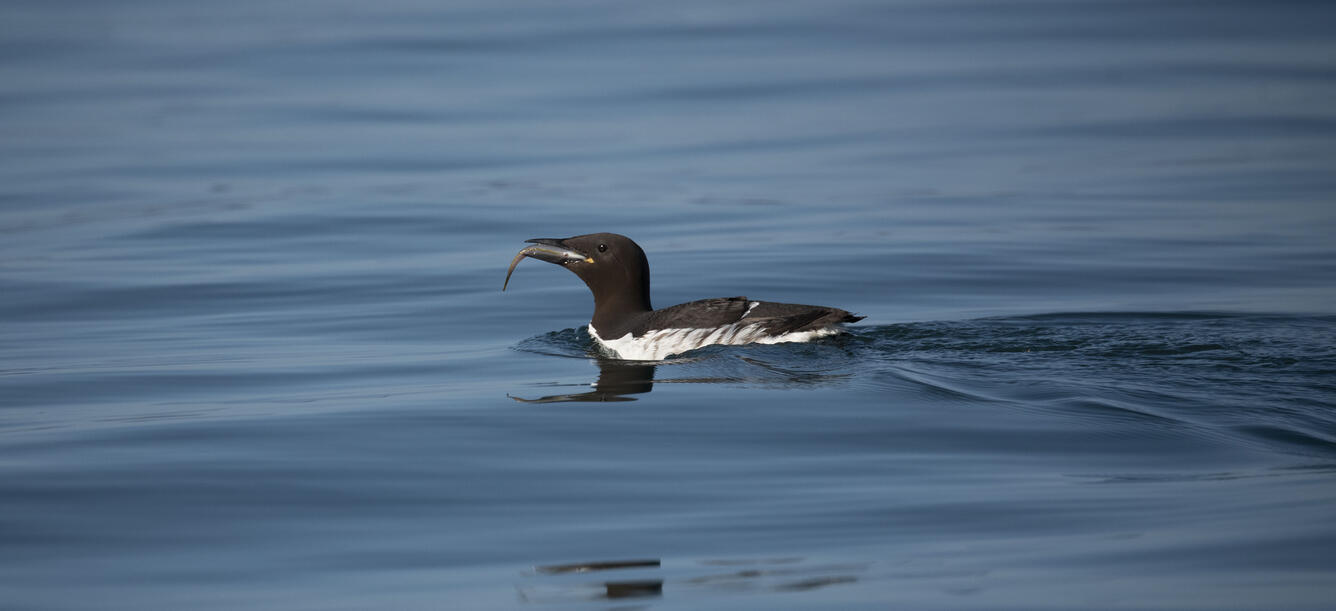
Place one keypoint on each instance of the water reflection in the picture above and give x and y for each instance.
(616, 380)
(612, 589)
(553, 583)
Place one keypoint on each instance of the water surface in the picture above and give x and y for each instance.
(253, 351)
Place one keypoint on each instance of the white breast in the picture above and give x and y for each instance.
(660, 344)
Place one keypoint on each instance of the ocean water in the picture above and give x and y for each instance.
(254, 352)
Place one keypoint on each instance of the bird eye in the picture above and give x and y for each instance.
(602, 247)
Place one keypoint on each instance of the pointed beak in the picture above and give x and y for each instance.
(546, 249)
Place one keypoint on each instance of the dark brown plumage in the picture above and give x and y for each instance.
(616, 271)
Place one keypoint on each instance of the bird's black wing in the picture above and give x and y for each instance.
(775, 318)
(703, 314)
(781, 318)
(796, 317)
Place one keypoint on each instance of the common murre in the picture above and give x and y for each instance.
(617, 273)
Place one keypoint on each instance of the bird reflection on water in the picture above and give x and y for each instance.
(644, 578)
(618, 379)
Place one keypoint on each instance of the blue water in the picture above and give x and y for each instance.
(254, 353)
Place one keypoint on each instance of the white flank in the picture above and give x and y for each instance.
(661, 344)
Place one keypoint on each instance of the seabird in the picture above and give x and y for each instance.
(624, 323)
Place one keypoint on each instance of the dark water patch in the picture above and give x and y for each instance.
(1051, 77)
(1171, 477)
(1321, 442)
(1134, 412)
(292, 228)
(128, 302)
(1203, 128)
(70, 209)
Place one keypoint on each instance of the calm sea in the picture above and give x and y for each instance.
(254, 352)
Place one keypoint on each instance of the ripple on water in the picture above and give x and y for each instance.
(1160, 373)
